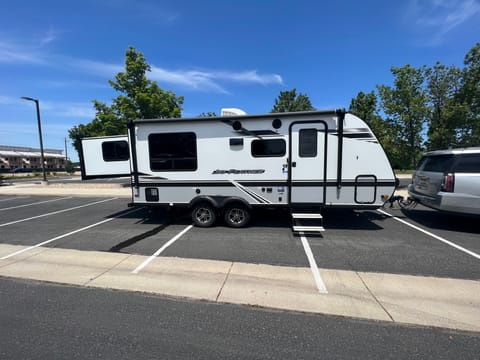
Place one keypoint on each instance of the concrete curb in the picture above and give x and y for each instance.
(426, 301)
(85, 190)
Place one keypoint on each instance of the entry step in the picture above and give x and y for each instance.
(306, 216)
(298, 228)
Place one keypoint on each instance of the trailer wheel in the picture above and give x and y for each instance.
(203, 215)
(236, 215)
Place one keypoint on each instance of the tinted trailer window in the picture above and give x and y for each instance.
(173, 151)
(115, 151)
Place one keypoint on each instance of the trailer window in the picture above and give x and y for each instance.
(115, 151)
(307, 143)
(173, 151)
(268, 148)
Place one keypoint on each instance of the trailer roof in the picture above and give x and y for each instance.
(247, 117)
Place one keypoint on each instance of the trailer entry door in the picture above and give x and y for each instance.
(308, 160)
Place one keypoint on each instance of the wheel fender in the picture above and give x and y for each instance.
(219, 201)
(235, 200)
(205, 198)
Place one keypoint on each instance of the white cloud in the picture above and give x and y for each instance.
(203, 80)
(250, 76)
(50, 36)
(19, 53)
(26, 51)
(436, 18)
(76, 111)
(95, 67)
(8, 100)
(212, 79)
(193, 79)
(68, 109)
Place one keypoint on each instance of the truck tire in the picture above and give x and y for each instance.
(236, 215)
(204, 215)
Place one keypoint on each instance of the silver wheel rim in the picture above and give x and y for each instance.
(203, 215)
(236, 216)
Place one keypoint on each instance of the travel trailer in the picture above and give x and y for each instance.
(226, 166)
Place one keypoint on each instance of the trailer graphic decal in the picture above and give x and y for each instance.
(251, 193)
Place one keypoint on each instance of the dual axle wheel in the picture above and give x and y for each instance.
(235, 215)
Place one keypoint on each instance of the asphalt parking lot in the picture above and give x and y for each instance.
(368, 241)
(370, 259)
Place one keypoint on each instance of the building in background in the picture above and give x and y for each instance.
(26, 159)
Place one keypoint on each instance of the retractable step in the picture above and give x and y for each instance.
(302, 228)
(307, 220)
(306, 216)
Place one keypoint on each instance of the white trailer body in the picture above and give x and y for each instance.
(320, 158)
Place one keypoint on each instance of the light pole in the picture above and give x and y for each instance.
(42, 157)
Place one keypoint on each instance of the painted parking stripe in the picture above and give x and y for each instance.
(458, 247)
(68, 234)
(313, 265)
(35, 203)
(56, 212)
(159, 251)
(15, 198)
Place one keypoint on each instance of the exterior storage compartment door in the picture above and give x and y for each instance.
(365, 189)
(105, 157)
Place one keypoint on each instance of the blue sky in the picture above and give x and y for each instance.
(214, 53)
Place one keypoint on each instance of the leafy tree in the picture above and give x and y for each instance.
(406, 107)
(69, 168)
(443, 84)
(208, 114)
(139, 98)
(290, 101)
(468, 99)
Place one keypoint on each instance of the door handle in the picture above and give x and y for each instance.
(294, 164)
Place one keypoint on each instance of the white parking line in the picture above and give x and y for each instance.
(313, 265)
(15, 198)
(68, 234)
(35, 203)
(159, 251)
(458, 247)
(56, 212)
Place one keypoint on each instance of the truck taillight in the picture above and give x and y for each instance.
(448, 183)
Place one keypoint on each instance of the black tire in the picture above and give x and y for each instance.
(236, 215)
(204, 215)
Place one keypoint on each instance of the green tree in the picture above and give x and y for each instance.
(290, 101)
(407, 109)
(468, 99)
(443, 85)
(69, 168)
(140, 98)
(208, 114)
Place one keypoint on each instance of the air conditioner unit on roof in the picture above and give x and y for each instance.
(232, 112)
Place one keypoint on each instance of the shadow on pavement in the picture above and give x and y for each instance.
(345, 219)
